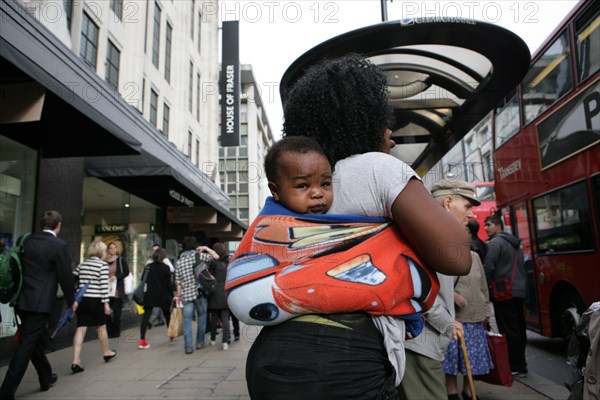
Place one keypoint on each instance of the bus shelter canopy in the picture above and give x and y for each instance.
(443, 77)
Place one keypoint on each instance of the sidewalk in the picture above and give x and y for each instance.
(164, 371)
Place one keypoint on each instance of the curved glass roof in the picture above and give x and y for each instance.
(443, 77)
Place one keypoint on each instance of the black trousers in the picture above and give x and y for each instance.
(236, 325)
(510, 317)
(146, 319)
(29, 347)
(113, 321)
(319, 361)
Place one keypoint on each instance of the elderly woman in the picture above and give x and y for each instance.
(94, 307)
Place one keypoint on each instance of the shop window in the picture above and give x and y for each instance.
(18, 171)
(563, 220)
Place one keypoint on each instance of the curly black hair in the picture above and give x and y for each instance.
(343, 104)
(294, 144)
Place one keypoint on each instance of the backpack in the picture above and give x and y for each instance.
(205, 281)
(11, 272)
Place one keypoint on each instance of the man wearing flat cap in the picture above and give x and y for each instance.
(424, 376)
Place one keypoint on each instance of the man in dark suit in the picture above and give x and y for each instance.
(46, 263)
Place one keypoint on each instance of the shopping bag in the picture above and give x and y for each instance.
(112, 288)
(128, 284)
(139, 309)
(176, 323)
(501, 374)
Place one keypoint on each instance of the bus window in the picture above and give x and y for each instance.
(563, 220)
(596, 192)
(506, 121)
(548, 79)
(588, 43)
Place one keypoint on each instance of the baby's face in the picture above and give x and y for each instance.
(303, 183)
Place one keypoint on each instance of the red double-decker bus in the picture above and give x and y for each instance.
(487, 197)
(547, 172)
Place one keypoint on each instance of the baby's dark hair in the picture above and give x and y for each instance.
(341, 103)
(293, 144)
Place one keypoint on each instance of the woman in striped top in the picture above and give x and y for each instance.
(94, 307)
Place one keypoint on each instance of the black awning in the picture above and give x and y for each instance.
(82, 115)
(163, 176)
(443, 75)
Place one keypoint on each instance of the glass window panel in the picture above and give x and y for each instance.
(231, 176)
(243, 188)
(243, 151)
(221, 152)
(231, 152)
(153, 107)
(191, 88)
(166, 118)
(117, 7)
(548, 79)
(168, 40)
(231, 165)
(588, 43)
(563, 220)
(242, 201)
(89, 41)
(156, 35)
(113, 56)
(243, 214)
(506, 121)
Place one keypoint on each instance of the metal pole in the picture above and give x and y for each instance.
(384, 14)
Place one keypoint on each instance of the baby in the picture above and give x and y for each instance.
(299, 175)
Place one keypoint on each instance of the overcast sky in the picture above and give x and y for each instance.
(274, 33)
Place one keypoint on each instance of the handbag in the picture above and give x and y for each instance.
(175, 328)
(140, 291)
(501, 374)
(501, 289)
(128, 284)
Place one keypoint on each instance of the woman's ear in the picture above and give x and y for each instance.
(274, 190)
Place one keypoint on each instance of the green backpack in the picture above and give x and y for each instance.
(11, 272)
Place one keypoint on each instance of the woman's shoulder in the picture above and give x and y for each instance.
(94, 262)
(368, 163)
(376, 157)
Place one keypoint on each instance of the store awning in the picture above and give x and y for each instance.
(81, 114)
(444, 75)
(164, 176)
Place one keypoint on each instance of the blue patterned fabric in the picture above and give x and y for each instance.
(477, 351)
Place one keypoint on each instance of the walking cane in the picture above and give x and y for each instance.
(463, 346)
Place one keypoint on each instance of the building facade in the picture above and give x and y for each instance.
(109, 114)
(470, 159)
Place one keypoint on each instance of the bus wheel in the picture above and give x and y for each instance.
(570, 315)
(568, 322)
